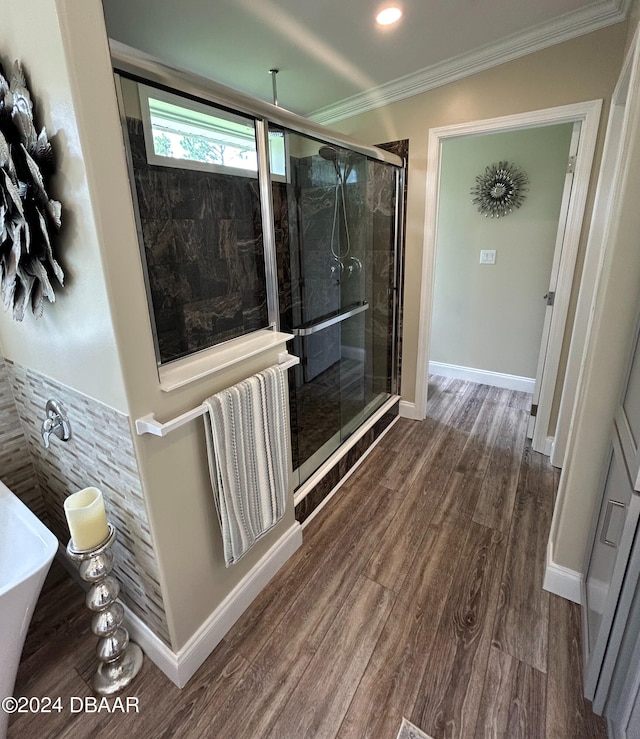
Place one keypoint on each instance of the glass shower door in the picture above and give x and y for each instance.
(367, 379)
(336, 290)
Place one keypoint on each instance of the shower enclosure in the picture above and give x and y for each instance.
(335, 220)
(251, 218)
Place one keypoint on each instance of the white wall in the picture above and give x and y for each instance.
(74, 342)
(490, 317)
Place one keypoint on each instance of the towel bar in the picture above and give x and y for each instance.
(150, 425)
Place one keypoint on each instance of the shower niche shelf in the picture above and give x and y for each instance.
(190, 369)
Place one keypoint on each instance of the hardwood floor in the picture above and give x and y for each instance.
(417, 593)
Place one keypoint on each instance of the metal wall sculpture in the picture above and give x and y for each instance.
(499, 190)
(29, 218)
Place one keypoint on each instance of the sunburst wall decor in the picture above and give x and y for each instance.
(29, 218)
(499, 190)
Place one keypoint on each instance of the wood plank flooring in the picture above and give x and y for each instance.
(417, 593)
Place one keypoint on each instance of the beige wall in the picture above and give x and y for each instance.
(74, 341)
(490, 317)
(583, 69)
(174, 469)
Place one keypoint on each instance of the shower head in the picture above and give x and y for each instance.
(329, 153)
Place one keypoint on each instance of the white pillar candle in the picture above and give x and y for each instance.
(86, 518)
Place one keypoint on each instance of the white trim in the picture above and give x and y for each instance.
(180, 666)
(483, 377)
(569, 26)
(588, 113)
(606, 193)
(181, 372)
(407, 410)
(152, 645)
(341, 482)
(570, 243)
(302, 492)
(534, 430)
(561, 580)
(212, 631)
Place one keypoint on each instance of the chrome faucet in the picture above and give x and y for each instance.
(56, 423)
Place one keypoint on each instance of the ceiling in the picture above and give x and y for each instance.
(333, 60)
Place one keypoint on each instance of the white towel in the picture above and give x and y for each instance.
(246, 429)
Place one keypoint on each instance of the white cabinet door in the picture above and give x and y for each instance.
(612, 541)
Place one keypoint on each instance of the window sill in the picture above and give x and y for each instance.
(208, 362)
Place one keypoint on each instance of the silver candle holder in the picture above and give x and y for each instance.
(120, 659)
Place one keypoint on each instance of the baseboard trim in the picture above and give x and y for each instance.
(180, 666)
(407, 410)
(152, 645)
(483, 377)
(561, 580)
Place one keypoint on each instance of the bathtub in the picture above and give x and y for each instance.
(27, 548)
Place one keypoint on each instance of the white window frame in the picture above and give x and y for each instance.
(145, 92)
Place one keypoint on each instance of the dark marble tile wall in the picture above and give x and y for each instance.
(381, 205)
(315, 497)
(16, 467)
(288, 266)
(401, 149)
(100, 453)
(202, 235)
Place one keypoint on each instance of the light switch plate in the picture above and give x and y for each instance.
(487, 256)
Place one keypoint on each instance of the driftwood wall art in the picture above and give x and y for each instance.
(29, 218)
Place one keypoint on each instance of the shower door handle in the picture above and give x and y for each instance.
(322, 323)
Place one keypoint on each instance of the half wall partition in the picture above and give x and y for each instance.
(253, 219)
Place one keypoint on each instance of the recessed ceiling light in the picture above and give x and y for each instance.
(388, 16)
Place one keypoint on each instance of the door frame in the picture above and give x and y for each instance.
(539, 422)
(588, 114)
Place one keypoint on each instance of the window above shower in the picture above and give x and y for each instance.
(183, 133)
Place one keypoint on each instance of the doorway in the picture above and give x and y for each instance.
(586, 115)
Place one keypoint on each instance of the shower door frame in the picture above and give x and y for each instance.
(144, 69)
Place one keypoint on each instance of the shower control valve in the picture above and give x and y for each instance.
(336, 268)
(354, 267)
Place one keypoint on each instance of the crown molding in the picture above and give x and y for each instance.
(565, 28)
